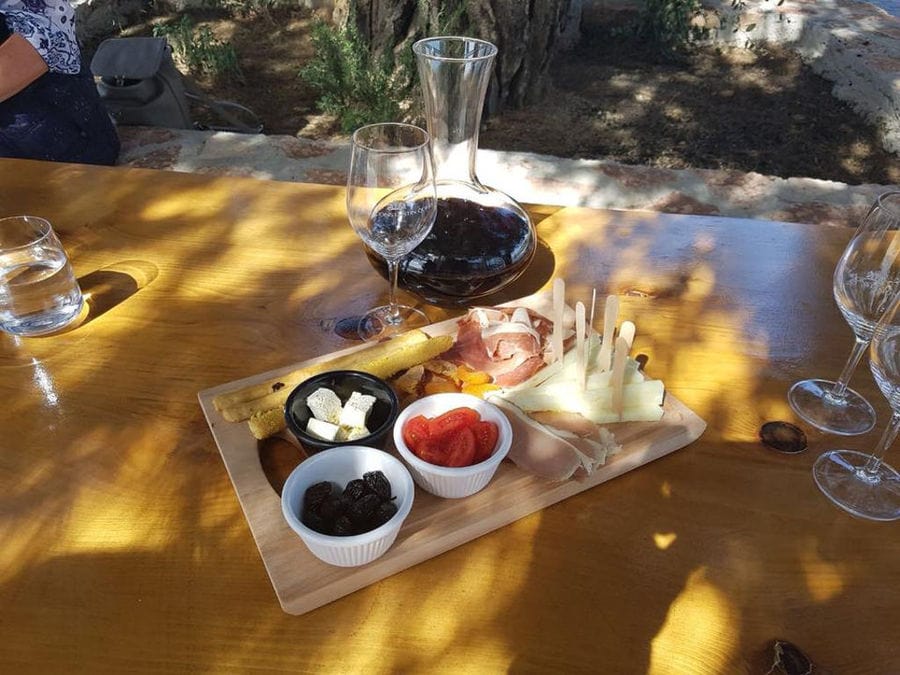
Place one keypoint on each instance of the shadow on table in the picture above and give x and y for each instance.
(112, 285)
(103, 290)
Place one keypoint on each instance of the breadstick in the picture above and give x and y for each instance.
(380, 363)
(407, 356)
(290, 380)
(267, 423)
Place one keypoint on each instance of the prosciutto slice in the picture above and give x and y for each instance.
(509, 345)
(589, 438)
(538, 451)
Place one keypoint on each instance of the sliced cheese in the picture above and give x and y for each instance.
(639, 400)
(352, 434)
(638, 414)
(568, 371)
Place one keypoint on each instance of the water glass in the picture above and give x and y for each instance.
(39, 293)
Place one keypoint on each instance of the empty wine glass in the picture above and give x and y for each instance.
(859, 483)
(866, 278)
(391, 204)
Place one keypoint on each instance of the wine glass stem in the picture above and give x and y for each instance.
(887, 439)
(394, 317)
(840, 387)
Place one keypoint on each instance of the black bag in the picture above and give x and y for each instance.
(139, 83)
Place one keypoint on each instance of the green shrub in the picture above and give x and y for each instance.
(199, 49)
(353, 85)
(360, 88)
(667, 26)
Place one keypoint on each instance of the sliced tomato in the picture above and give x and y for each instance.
(432, 451)
(486, 435)
(460, 447)
(450, 421)
(415, 431)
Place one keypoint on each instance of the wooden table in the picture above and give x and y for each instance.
(124, 547)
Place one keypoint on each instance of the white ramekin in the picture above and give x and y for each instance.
(446, 481)
(341, 465)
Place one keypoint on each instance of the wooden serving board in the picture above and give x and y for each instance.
(302, 582)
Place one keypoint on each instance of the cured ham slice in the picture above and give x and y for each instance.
(568, 421)
(509, 345)
(590, 439)
(538, 451)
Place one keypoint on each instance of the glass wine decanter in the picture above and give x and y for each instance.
(482, 239)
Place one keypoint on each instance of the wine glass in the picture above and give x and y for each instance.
(865, 279)
(391, 204)
(859, 483)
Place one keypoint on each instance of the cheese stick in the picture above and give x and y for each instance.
(579, 344)
(620, 354)
(593, 307)
(559, 307)
(589, 331)
(292, 379)
(610, 315)
(626, 330)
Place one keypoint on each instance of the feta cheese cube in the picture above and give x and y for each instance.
(356, 410)
(321, 429)
(352, 434)
(325, 405)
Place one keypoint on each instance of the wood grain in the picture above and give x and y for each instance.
(434, 525)
(125, 547)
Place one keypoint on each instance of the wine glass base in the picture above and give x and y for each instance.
(381, 324)
(840, 476)
(847, 416)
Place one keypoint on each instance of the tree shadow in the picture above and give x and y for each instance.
(127, 493)
(759, 110)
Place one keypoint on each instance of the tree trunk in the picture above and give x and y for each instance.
(527, 34)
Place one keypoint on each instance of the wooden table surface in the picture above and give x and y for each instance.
(124, 547)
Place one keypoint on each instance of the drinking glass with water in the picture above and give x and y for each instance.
(39, 293)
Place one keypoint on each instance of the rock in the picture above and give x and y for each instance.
(97, 19)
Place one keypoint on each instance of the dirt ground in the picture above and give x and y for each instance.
(761, 110)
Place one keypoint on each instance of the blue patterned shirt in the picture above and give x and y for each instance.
(49, 25)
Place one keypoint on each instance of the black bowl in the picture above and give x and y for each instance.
(343, 383)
